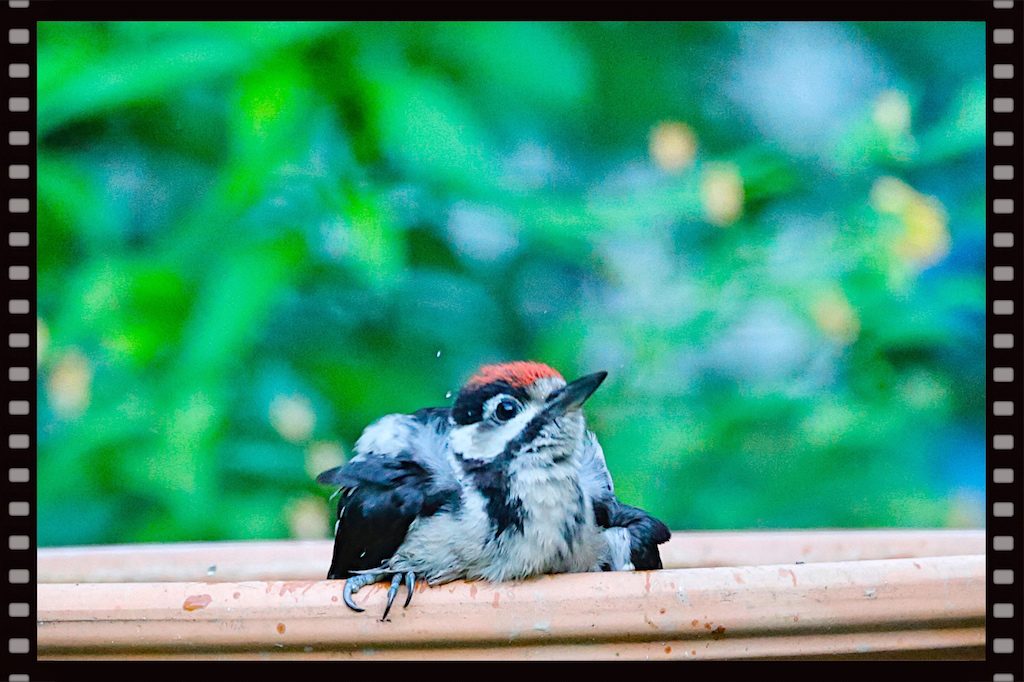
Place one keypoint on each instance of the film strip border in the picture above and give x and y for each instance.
(1004, 338)
(20, 288)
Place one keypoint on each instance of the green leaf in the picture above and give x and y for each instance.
(75, 82)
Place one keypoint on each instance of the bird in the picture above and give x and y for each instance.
(506, 483)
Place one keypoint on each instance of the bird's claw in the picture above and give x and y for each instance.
(357, 582)
(410, 584)
(396, 580)
(354, 584)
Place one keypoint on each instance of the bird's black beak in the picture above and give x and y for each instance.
(573, 395)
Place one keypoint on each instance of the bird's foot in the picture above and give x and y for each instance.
(357, 582)
(396, 580)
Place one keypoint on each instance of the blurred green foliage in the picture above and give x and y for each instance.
(255, 239)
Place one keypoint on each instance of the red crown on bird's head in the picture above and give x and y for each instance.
(518, 374)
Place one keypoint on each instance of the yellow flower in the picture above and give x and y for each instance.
(924, 239)
(835, 317)
(672, 146)
(42, 340)
(307, 518)
(891, 113)
(69, 386)
(890, 195)
(721, 192)
(323, 455)
(292, 416)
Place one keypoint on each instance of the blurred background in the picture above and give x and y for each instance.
(255, 239)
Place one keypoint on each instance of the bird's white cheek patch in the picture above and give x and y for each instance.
(461, 439)
(474, 442)
(482, 441)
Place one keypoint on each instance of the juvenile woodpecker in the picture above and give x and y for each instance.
(505, 484)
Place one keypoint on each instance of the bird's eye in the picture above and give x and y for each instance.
(506, 409)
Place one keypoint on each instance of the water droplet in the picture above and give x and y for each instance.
(438, 354)
(448, 395)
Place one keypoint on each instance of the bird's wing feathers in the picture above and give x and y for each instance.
(645, 531)
(595, 478)
(400, 472)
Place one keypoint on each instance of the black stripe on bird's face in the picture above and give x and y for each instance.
(562, 403)
(469, 405)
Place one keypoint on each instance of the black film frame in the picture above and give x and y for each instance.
(1004, 320)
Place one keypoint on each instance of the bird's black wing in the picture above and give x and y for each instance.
(645, 531)
(400, 473)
